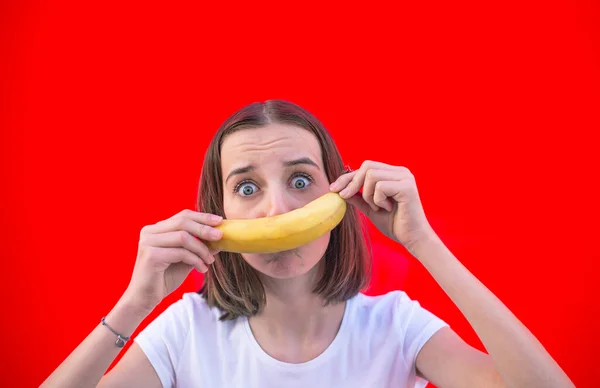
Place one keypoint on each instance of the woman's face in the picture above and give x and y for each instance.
(269, 171)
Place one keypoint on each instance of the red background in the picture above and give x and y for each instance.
(107, 109)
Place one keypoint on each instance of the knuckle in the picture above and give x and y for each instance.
(368, 187)
(405, 170)
(355, 179)
(149, 252)
(203, 229)
(187, 255)
(352, 185)
(180, 222)
(145, 231)
(185, 213)
(405, 186)
(183, 237)
(144, 240)
(199, 245)
(206, 217)
(200, 249)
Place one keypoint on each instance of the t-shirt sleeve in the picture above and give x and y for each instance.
(418, 325)
(163, 339)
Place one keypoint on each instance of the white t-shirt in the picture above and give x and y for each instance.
(376, 346)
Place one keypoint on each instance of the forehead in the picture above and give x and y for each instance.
(272, 142)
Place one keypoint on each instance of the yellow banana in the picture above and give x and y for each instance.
(283, 231)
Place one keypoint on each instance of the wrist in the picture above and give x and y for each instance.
(421, 246)
(126, 316)
(135, 306)
(138, 301)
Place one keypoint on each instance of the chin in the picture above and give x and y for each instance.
(289, 264)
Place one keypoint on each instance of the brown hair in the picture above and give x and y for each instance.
(233, 285)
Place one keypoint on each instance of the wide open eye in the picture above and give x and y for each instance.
(246, 189)
(301, 181)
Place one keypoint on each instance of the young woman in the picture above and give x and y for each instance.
(297, 318)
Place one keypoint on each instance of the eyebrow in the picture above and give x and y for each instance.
(289, 163)
(296, 162)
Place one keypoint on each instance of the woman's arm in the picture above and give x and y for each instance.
(518, 357)
(87, 364)
(391, 201)
(167, 252)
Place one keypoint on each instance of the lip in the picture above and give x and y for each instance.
(277, 255)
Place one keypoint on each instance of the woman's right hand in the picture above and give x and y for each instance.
(167, 252)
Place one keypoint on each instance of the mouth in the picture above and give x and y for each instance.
(279, 255)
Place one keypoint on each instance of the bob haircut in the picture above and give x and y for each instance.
(233, 285)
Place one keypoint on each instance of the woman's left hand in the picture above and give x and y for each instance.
(389, 198)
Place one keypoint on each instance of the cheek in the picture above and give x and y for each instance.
(320, 244)
(241, 208)
(232, 208)
(314, 251)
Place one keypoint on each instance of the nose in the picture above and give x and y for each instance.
(277, 202)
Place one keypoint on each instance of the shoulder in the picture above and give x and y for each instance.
(178, 334)
(188, 313)
(396, 326)
(397, 310)
(390, 303)
(192, 310)
(195, 306)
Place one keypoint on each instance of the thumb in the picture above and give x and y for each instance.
(358, 201)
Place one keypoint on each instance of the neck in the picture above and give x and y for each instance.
(295, 312)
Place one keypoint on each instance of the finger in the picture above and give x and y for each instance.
(388, 192)
(213, 251)
(372, 177)
(182, 255)
(182, 239)
(353, 185)
(380, 198)
(342, 181)
(201, 218)
(358, 201)
(200, 230)
(358, 179)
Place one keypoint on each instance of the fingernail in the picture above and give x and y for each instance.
(344, 192)
(216, 233)
(215, 217)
